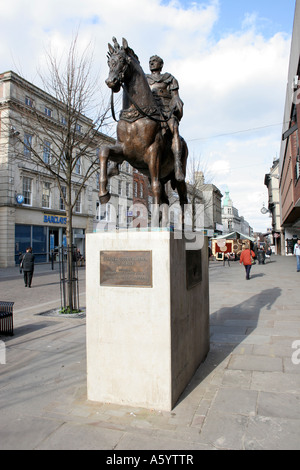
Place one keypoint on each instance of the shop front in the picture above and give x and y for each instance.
(45, 234)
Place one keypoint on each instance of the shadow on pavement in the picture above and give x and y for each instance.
(230, 326)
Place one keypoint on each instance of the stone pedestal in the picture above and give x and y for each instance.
(147, 304)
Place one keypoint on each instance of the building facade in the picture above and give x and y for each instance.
(32, 210)
(232, 221)
(289, 163)
(212, 201)
(272, 183)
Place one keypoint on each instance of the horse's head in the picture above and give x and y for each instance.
(119, 59)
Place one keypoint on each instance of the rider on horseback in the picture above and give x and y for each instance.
(165, 90)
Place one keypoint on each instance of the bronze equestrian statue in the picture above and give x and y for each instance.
(165, 90)
(142, 137)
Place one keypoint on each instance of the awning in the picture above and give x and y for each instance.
(235, 236)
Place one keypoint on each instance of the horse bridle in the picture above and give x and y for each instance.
(139, 109)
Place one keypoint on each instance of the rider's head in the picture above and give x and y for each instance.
(156, 63)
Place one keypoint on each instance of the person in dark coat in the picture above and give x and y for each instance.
(28, 266)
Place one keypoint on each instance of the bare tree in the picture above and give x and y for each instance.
(196, 169)
(64, 140)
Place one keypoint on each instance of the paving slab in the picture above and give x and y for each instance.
(245, 396)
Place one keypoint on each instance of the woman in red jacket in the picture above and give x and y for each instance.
(246, 259)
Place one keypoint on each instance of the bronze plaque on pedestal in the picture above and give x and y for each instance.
(126, 268)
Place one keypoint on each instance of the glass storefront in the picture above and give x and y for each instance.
(34, 236)
(44, 241)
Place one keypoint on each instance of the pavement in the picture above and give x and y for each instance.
(245, 396)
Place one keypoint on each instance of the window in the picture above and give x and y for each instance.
(98, 180)
(120, 187)
(46, 195)
(62, 206)
(78, 204)
(135, 188)
(46, 152)
(105, 212)
(78, 166)
(64, 121)
(29, 101)
(27, 144)
(297, 170)
(127, 189)
(78, 128)
(141, 190)
(27, 191)
(48, 112)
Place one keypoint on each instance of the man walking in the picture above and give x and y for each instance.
(297, 254)
(28, 266)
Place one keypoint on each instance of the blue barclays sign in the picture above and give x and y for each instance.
(54, 219)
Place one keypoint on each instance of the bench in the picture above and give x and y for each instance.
(6, 318)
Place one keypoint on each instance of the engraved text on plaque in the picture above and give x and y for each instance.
(126, 268)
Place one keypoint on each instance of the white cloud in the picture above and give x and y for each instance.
(228, 84)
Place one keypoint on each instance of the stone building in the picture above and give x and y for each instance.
(272, 183)
(231, 220)
(32, 211)
(212, 203)
(289, 162)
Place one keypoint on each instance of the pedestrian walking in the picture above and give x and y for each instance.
(297, 254)
(28, 266)
(226, 258)
(247, 259)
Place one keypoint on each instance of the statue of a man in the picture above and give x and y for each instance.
(165, 90)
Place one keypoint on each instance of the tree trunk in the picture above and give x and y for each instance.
(69, 252)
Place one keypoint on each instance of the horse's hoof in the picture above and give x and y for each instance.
(104, 199)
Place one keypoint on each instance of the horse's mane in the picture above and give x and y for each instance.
(132, 53)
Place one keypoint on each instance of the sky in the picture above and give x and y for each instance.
(230, 58)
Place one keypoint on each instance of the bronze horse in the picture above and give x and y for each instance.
(141, 140)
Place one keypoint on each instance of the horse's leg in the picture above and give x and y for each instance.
(105, 152)
(177, 150)
(164, 200)
(153, 159)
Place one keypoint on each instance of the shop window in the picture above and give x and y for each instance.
(22, 239)
(39, 243)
